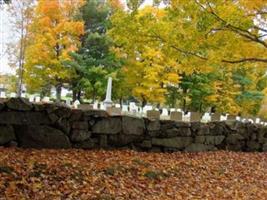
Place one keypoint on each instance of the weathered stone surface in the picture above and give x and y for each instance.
(41, 137)
(153, 125)
(50, 107)
(122, 139)
(39, 106)
(2, 103)
(24, 118)
(154, 133)
(12, 144)
(176, 116)
(197, 147)
(169, 133)
(87, 144)
(20, 104)
(184, 132)
(175, 132)
(234, 138)
(63, 112)
(216, 117)
(111, 125)
(253, 146)
(195, 116)
(146, 144)
(133, 125)
(76, 115)
(64, 125)
(80, 135)
(175, 142)
(195, 126)
(240, 146)
(91, 122)
(7, 134)
(82, 125)
(156, 150)
(103, 141)
(215, 128)
(44, 125)
(203, 129)
(182, 125)
(167, 124)
(95, 113)
(53, 117)
(85, 107)
(210, 139)
(153, 114)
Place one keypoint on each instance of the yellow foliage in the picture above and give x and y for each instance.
(54, 34)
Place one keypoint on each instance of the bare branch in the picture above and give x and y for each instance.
(264, 60)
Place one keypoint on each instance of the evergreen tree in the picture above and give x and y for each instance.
(94, 60)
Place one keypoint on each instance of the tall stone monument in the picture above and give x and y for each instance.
(108, 101)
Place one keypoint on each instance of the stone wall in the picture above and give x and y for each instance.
(29, 125)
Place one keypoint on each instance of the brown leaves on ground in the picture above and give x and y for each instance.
(107, 175)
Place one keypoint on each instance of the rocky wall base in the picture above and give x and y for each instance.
(29, 125)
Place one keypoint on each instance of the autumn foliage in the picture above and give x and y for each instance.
(198, 55)
(79, 174)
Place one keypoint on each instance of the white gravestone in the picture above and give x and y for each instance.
(165, 112)
(124, 108)
(37, 99)
(2, 94)
(31, 99)
(46, 99)
(13, 95)
(76, 104)
(108, 101)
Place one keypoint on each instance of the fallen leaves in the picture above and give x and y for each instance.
(80, 174)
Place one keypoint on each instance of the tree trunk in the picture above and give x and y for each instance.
(74, 95)
(121, 102)
(79, 94)
(58, 92)
(94, 95)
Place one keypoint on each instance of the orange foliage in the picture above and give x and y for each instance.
(85, 175)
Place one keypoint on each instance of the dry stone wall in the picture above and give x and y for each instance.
(28, 125)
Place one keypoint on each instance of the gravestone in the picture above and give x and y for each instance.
(31, 99)
(133, 107)
(37, 99)
(172, 109)
(85, 107)
(46, 99)
(153, 114)
(13, 95)
(76, 103)
(165, 112)
(231, 118)
(147, 108)
(114, 111)
(176, 116)
(216, 117)
(195, 117)
(68, 102)
(102, 106)
(95, 105)
(124, 108)
(2, 94)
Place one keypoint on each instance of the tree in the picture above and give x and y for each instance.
(21, 12)
(94, 60)
(53, 34)
(189, 41)
(147, 69)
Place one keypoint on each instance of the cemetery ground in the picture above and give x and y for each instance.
(125, 174)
